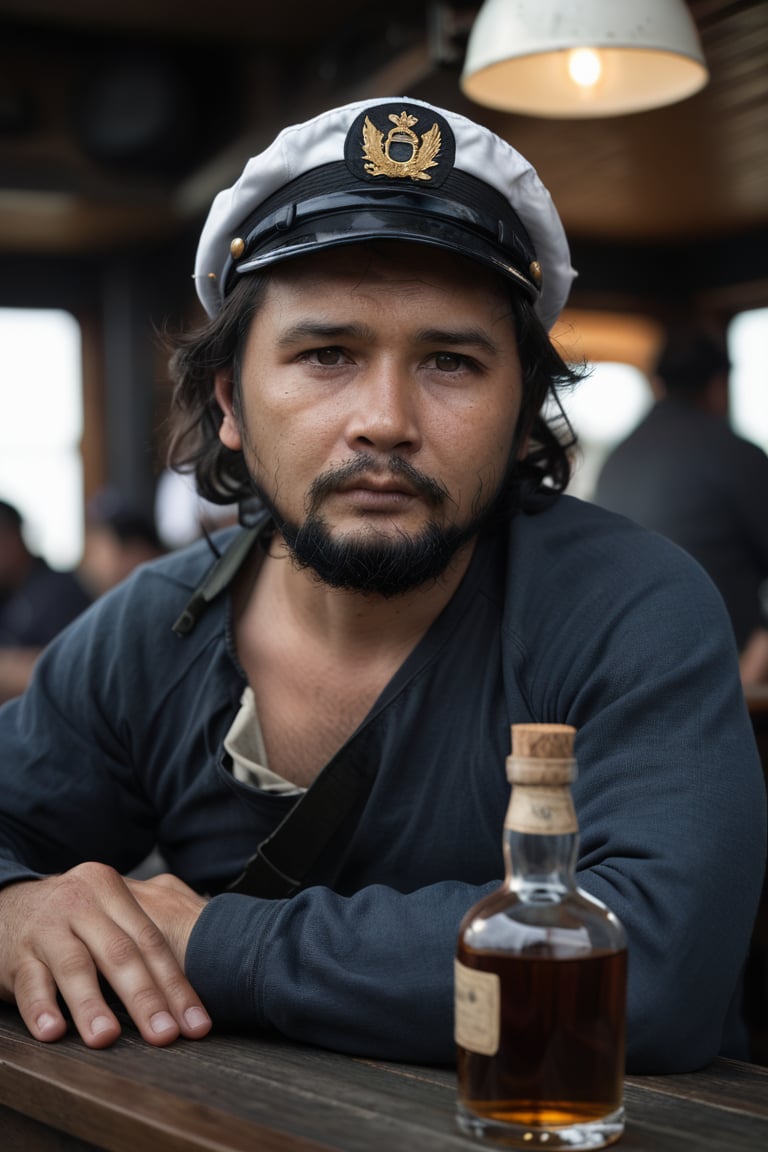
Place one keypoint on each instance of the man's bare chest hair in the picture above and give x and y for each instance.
(312, 690)
(308, 706)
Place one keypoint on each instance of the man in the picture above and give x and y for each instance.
(379, 284)
(683, 472)
(36, 602)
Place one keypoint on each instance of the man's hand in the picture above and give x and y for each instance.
(173, 906)
(59, 934)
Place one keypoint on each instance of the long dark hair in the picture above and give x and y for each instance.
(221, 474)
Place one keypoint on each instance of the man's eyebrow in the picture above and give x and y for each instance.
(459, 337)
(331, 333)
(324, 333)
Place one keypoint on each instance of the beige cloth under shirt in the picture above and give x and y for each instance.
(245, 744)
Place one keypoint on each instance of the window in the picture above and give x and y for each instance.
(619, 350)
(748, 350)
(41, 427)
(602, 410)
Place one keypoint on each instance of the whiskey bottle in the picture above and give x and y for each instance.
(541, 975)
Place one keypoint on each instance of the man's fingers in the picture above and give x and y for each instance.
(35, 991)
(146, 976)
(135, 961)
(73, 928)
(37, 1003)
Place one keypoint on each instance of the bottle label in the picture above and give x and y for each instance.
(541, 809)
(477, 1009)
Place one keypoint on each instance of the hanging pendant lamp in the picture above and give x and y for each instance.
(582, 58)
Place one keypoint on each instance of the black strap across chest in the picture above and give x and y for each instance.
(285, 858)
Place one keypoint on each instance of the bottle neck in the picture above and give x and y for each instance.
(541, 838)
(537, 861)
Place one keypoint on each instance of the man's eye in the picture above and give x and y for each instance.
(449, 362)
(328, 357)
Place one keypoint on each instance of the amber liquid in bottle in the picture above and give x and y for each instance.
(541, 977)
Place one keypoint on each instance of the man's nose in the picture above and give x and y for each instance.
(385, 415)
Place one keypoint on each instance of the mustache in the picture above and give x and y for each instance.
(430, 490)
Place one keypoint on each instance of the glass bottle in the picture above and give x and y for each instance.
(541, 975)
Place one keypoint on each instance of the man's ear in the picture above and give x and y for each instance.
(229, 432)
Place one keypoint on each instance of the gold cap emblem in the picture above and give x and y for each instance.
(535, 270)
(378, 151)
(236, 248)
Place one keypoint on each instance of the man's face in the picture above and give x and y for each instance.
(380, 392)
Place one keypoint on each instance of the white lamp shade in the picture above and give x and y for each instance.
(519, 52)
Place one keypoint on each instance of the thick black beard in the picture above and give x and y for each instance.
(383, 567)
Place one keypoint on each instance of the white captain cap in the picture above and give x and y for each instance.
(395, 169)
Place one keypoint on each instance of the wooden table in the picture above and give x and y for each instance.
(237, 1094)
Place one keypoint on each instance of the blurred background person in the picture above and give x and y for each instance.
(119, 536)
(683, 472)
(36, 602)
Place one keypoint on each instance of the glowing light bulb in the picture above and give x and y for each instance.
(584, 67)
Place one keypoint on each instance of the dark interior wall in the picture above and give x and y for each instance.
(674, 278)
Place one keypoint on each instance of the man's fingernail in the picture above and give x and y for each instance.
(162, 1022)
(45, 1021)
(195, 1017)
(100, 1024)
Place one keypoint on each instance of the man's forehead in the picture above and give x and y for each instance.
(383, 296)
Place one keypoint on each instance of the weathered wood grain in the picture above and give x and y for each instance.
(245, 1094)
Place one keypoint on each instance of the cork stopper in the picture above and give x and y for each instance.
(542, 754)
(543, 741)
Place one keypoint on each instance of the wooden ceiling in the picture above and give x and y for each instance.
(119, 119)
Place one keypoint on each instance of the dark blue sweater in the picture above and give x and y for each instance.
(575, 616)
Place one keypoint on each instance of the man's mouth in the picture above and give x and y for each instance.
(378, 486)
(376, 495)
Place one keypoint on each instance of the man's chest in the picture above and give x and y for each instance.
(308, 707)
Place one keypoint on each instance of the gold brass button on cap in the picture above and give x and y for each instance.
(237, 247)
(535, 270)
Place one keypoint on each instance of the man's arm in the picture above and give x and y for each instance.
(69, 794)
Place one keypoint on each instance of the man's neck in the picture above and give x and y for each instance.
(317, 658)
(343, 619)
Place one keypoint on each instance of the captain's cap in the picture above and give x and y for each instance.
(396, 169)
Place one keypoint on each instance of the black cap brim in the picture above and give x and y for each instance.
(361, 227)
(466, 218)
